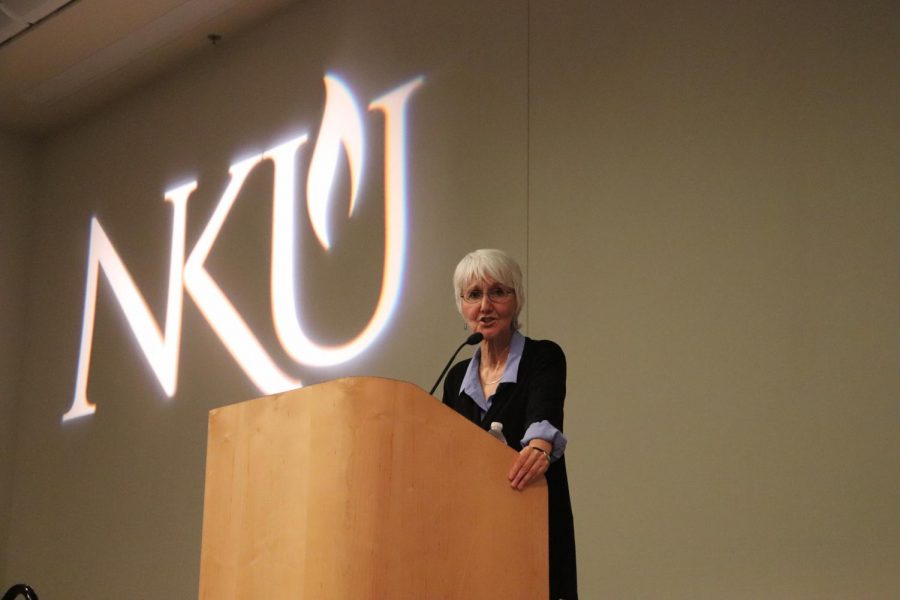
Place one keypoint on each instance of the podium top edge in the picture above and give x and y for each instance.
(340, 380)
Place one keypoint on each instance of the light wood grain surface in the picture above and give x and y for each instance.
(365, 488)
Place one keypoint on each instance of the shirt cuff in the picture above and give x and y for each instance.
(547, 432)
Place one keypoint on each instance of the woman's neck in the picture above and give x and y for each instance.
(495, 350)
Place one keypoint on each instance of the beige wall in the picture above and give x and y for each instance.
(714, 240)
(704, 198)
(16, 183)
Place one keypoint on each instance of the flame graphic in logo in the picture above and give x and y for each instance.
(341, 126)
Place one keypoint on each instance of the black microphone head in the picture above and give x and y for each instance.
(474, 338)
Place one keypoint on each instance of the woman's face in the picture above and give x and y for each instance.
(491, 317)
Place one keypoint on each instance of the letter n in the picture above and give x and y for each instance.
(160, 349)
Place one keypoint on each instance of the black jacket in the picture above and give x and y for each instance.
(537, 395)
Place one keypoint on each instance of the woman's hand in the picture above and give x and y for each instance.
(531, 462)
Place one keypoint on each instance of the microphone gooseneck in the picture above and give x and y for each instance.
(470, 341)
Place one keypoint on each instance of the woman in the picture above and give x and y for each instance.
(521, 383)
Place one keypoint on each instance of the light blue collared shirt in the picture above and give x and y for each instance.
(471, 385)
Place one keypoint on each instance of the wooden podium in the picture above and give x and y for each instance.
(365, 488)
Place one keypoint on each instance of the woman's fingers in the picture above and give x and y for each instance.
(538, 468)
(521, 459)
(528, 465)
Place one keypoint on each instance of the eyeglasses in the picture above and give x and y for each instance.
(495, 294)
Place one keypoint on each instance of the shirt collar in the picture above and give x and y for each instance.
(471, 384)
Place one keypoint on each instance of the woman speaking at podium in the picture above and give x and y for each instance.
(521, 383)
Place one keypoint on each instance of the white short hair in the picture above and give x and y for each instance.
(489, 264)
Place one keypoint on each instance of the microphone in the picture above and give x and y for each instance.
(470, 341)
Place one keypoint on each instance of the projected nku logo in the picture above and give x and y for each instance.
(341, 130)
